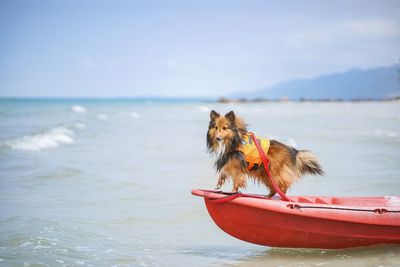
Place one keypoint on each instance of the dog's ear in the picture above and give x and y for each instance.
(214, 115)
(230, 115)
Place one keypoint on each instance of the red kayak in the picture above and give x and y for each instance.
(307, 221)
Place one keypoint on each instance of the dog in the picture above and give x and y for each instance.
(226, 137)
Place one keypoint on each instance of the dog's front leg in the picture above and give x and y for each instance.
(239, 181)
(221, 180)
(235, 169)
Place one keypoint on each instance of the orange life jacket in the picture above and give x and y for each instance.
(250, 152)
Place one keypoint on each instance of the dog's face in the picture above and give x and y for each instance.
(222, 132)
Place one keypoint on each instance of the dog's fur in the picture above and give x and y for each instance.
(287, 164)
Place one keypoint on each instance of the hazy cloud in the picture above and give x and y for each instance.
(344, 31)
(180, 49)
(373, 28)
(88, 64)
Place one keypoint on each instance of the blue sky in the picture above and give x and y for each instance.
(186, 48)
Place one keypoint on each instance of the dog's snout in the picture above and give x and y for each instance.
(219, 138)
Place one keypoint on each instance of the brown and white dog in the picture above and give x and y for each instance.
(287, 164)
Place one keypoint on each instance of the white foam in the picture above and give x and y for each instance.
(40, 247)
(204, 109)
(385, 133)
(134, 115)
(41, 141)
(102, 117)
(79, 125)
(79, 109)
(380, 133)
(25, 244)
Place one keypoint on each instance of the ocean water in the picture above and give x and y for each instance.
(107, 182)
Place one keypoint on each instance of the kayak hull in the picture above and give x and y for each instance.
(308, 222)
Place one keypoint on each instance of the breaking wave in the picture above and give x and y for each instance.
(385, 133)
(134, 115)
(79, 125)
(79, 109)
(51, 138)
(381, 133)
(204, 109)
(131, 114)
(102, 117)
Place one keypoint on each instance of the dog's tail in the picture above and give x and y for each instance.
(307, 163)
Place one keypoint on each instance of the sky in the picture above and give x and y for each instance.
(85, 48)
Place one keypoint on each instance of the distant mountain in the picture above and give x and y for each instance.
(377, 83)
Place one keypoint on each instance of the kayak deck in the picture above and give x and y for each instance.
(308, 221)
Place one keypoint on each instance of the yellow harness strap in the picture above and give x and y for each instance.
(250, 152)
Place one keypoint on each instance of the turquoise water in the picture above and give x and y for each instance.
(107, 182)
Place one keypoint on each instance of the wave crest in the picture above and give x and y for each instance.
(79, 109)
(102, 117)
(42, 141)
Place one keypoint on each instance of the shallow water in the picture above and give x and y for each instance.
(107, 182)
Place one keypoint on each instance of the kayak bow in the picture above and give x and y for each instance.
(307, 221)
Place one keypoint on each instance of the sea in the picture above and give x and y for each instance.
(107, 182)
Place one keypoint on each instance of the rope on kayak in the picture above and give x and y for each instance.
(227, 198)
(377, 210)
(265, 161)
(231, 196)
